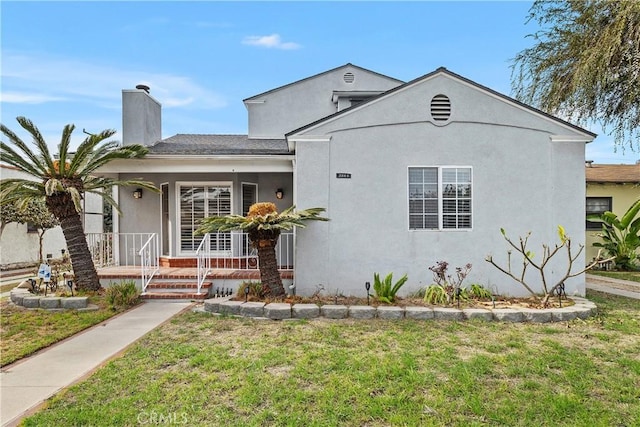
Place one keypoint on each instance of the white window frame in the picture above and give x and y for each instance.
(179, 184)
(440, 198)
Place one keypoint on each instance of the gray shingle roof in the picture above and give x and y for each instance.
(202, 145)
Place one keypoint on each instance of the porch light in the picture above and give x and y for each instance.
(279, 193)
(137, 193)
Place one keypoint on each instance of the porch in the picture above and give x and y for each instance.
(220, 263)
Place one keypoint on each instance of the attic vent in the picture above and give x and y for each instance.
(440, 108)
(349, 78)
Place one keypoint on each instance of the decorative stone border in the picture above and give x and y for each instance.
(582, 309)
(26, 299)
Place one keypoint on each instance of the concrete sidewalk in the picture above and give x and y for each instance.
(625, 288)
(27, 383)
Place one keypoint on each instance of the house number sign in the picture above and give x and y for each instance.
(343, 175)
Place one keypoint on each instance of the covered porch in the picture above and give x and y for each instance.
(221, 258)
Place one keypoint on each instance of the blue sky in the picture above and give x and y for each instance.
(67, 62)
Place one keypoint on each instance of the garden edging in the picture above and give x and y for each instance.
(582, 309)
(26, 299)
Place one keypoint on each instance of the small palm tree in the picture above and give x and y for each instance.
(62, 183)
(264, 224)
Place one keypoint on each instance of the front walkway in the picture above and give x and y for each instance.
(27, 383)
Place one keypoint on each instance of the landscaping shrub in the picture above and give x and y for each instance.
(122, 295)
(255, 289)
(385, 289)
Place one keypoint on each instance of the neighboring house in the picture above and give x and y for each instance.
(19, 243)
(410, 174)
(611, 188)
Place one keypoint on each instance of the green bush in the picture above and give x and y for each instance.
(385, 289)
(478, 291)
(122, 295)
(436, 294)
(255, 289)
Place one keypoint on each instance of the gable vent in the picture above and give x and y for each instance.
(349, 78)
(440, 108)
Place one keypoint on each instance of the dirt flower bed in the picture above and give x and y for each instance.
(498, 302)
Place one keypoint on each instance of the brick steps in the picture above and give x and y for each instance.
(176, 290)
(177, 296)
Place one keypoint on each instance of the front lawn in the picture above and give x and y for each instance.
(203, 370)
(23, 332)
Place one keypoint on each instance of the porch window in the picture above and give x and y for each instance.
(198, 202)
(440, 198)
(597, 206)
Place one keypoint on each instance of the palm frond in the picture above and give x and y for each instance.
(53, 185)
(92, 183)
(76, 196)
(102, 157)
(87, 151)
(45, 156)
(14, 190)
(11, 157)
(20, 144)
(63, 147)
(106, 197)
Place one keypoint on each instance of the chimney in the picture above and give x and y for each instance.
(141, 117)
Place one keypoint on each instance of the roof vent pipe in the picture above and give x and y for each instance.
(143, 87)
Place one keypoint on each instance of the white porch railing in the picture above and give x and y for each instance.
(126, 249)
(117, 249)
(233, 251)
(150, 260)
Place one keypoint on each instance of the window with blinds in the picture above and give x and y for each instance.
(198, 202)
(440, 198)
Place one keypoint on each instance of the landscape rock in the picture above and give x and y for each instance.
(418, 313)
(390, 312)
(477, 314)
(306, 311)
(277, 311)
(362, 312)
(334, 311)
(252, 309)
(447, 313)
(75, 303)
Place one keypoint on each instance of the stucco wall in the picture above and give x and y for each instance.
(283, 110)
(521, 182)
(622, 196)
(18, 247)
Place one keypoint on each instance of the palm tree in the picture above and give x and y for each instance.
(62, 183)
(263, 224)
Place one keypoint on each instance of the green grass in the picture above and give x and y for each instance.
(633, 276)
(8, 286)
(23, 332)
(204, 370)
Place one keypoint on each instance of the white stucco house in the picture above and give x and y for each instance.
(410, 173)
(19, 243)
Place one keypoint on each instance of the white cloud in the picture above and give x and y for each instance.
(28, 98)
(33, 78)
(273, 41)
